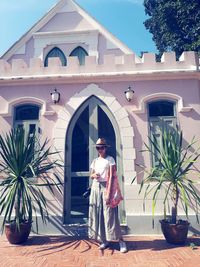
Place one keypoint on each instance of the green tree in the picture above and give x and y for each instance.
(175, 24)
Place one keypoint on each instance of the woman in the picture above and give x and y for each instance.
(103, 220)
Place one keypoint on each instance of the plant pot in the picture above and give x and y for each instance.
(15, 235)
(175, 233)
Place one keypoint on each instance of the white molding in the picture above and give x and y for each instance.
(110, 45)
(8, 112)
(67, 8)
(180, 106)
(59, 33)
(42, 40)
(106, 76)
(65, 115)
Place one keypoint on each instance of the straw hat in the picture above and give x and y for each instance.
(101, 142)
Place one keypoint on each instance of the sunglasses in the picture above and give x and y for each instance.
(100, 147)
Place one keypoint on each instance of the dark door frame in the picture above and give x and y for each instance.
(93, 103)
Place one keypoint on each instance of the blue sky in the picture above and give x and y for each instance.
(124, 18)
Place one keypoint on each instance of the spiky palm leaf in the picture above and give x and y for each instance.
(22, 158)
(176, 162)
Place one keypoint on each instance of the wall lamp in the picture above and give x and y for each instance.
(129, 94)
(55, 96)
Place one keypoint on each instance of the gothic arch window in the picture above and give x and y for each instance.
(81, 53)
(27, 116)
(162, 114)
(56, 52)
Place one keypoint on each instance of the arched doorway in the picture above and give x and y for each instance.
(92, 120)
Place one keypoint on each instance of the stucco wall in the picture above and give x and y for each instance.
(188, 90)
(28, 52)
(103, 49)
(67, 21)
(106, 77)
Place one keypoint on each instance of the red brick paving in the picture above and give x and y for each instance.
(44, 251)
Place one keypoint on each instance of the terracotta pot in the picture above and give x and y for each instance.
(175, 233)
(15, 235)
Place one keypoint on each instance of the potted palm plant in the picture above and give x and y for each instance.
(173, 176)
(25, 167)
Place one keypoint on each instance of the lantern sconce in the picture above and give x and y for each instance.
(55, 96)
(129, 94)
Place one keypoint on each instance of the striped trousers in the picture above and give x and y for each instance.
(103, 221)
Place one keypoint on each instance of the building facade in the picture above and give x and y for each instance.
(90, 68)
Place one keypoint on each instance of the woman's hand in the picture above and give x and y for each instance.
(107, 200)
(95, 176)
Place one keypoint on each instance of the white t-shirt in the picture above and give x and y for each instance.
(101, 166)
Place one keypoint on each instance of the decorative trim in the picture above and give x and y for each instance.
(180, 106)
(42, 40)
(22, 100)
(118, 111)
(62, 33)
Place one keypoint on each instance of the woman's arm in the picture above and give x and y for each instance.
(112, 170)
(93, 174)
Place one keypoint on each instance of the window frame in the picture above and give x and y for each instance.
(26, 123)
(82, 49)
(163, 119)
(162, 100)
(62, 56)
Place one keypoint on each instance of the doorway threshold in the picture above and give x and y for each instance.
(77, 229)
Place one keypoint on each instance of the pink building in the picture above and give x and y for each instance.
(90, 68)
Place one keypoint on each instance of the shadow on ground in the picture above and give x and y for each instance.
(54, 244)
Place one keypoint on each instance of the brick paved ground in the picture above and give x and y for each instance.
(63, 252)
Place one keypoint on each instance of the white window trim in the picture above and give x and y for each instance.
(165, 96)
(43, 40)
(8, 112)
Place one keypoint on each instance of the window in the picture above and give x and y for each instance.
(56, 52)
(161, 108)
(162, 114)
(80, 53)
(27, 116)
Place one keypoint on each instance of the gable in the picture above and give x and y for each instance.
(66, 22)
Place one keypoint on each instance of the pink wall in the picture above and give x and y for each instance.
(66, 22)
(29, 53)
(102, 48)
(187, 89)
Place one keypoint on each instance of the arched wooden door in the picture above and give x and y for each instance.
(91, 121)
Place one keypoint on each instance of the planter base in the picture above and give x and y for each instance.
(15, 235)
(175, 233)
